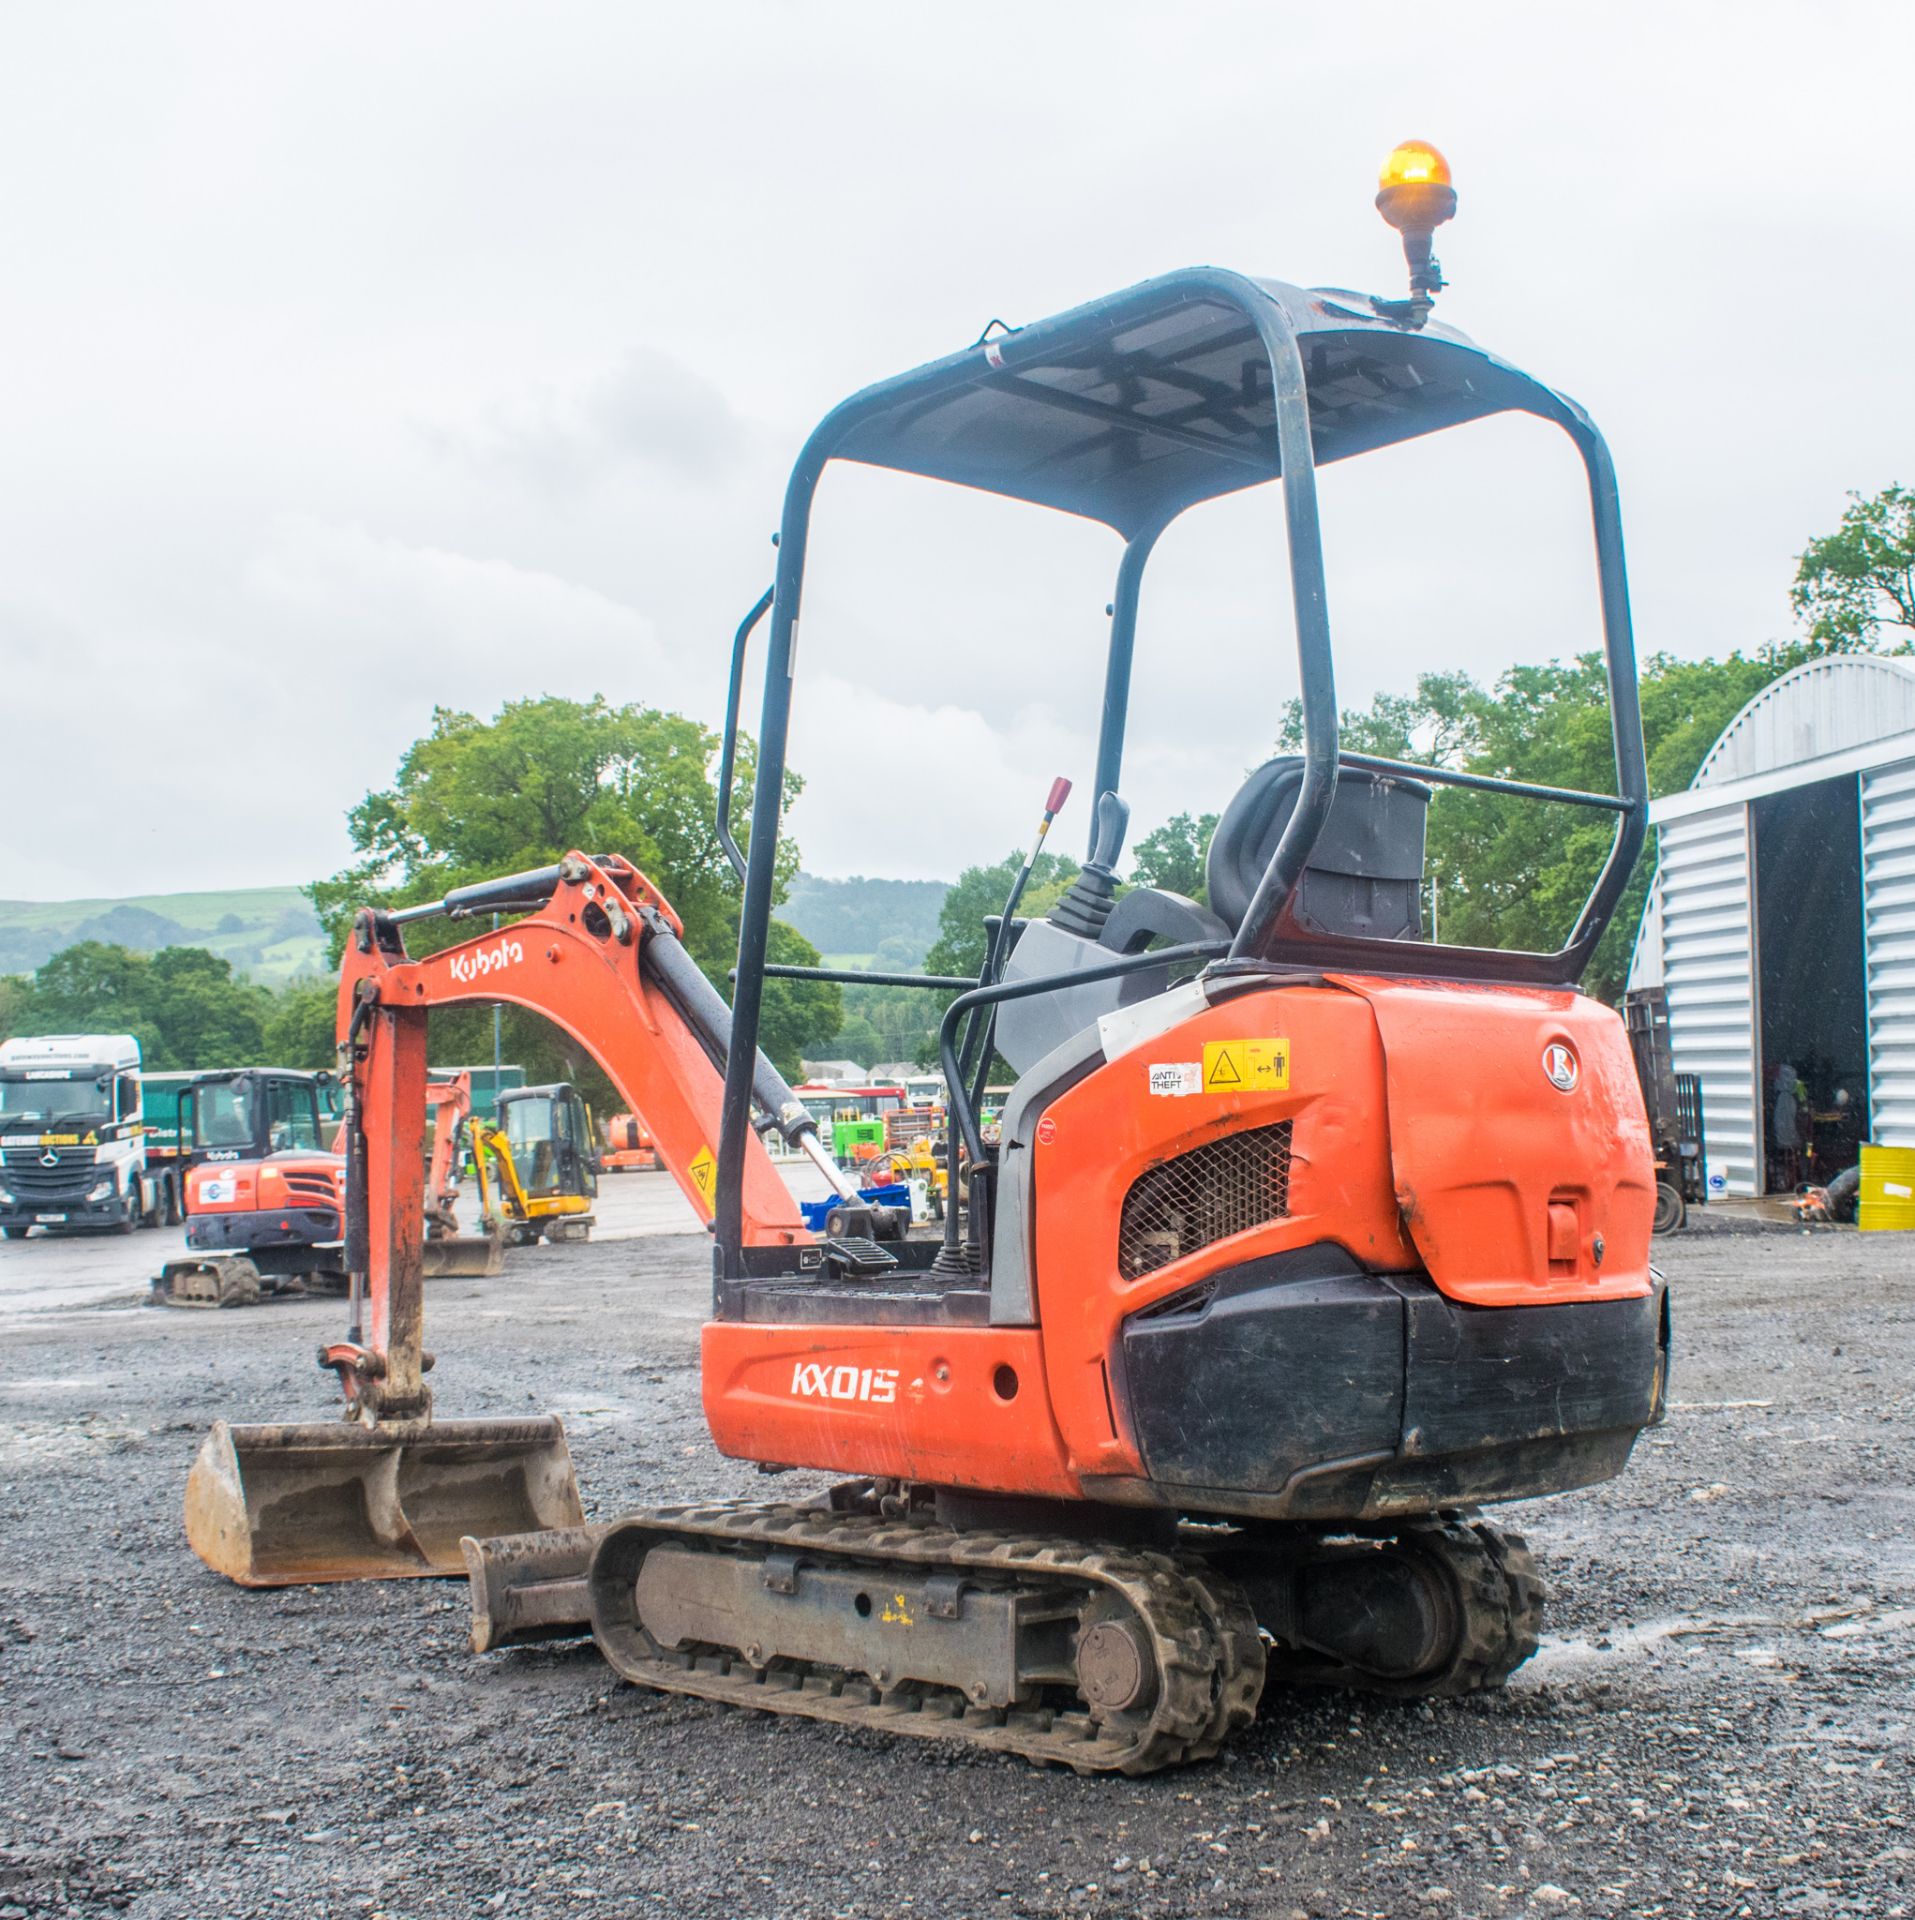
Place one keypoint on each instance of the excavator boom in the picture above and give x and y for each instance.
(598, 953)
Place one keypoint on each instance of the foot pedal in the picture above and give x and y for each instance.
(854, 1257)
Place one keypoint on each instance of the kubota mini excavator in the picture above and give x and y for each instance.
(265, 1203)
(1278, 1271)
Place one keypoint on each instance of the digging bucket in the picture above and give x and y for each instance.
(463, 1256)
(280, 1506)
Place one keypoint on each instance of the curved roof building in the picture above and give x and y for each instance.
(1781, 925)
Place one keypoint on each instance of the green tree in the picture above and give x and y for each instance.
(800, 1016)
(1172, 857)
(184, 1005)
(889, 1023)
(859, 1040)
(1853, 582)
(14, 997)
(475, 799)
(300, 1030)
(95, 987)
(206, 1014)
(960, 945)
(1512, 872)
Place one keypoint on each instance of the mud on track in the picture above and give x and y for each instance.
(1722, 1722)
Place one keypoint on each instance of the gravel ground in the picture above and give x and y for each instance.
(1722, 1720)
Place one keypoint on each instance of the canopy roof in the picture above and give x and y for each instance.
(1136, 406)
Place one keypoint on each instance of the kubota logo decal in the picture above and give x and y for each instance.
(813, 1380)
(1561, 1066)
(475, 966)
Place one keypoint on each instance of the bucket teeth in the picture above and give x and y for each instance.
(273, 1506)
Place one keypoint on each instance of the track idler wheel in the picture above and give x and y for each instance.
(1448, 1608)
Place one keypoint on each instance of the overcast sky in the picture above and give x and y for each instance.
(360, 357)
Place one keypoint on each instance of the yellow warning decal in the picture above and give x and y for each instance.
(1246, 1066)
(704, 1174)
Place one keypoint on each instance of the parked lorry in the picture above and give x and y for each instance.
(72, 1143)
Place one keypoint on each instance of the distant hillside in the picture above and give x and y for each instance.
(891, 923)
(267, 932)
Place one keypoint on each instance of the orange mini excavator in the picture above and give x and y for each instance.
(1303, 1237)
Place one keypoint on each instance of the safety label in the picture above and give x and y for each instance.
(704, 1174)
(1173, 1077)
(1246, 1066)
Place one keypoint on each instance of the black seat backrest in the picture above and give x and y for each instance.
(1366, 870)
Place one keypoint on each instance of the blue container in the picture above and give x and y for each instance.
(894, 1194)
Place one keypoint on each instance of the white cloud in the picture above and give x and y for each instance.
(424, 623)
(620, 260)
(648, 413)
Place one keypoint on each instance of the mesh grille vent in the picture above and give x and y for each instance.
(1227, 1186)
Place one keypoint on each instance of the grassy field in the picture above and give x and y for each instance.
(267, 932)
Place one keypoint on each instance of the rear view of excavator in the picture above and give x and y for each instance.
(628, 1145)
(1302, 1238)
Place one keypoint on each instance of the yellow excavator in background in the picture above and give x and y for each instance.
(536, 1168)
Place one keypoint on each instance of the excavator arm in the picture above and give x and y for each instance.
(390, 1492)
(598, 952)
(494, 1167)
(450, 1105)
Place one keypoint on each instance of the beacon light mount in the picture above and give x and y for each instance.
(1415, 196)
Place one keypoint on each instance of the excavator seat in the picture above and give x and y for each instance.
(1365, 877)
(1366, 871)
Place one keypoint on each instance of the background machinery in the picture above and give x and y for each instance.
(628, 1147)
(264, 1197)
(1673, 1102)
(266, 1190)
(1302, 1237)
(537, 1171)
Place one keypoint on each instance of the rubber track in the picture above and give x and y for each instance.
(1209, 1654)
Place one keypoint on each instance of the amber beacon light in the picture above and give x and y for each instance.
(1415, 196)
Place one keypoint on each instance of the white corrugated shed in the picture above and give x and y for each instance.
(1821, 708)
(1707, 971)
(1888, 914)
(1848, 715)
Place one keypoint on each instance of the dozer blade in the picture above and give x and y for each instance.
(467, 1256)
(277, 1506)
(528, 1587)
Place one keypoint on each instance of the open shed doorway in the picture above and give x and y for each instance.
(1812, 985)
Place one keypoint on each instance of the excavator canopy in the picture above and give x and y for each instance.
(1134, 407)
